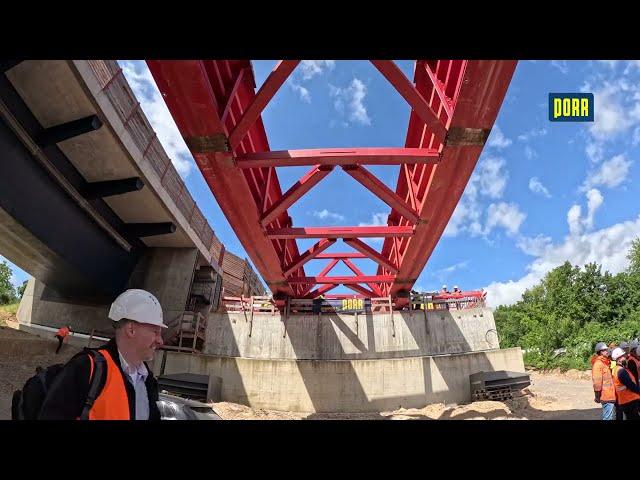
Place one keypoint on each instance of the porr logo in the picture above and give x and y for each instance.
(571, 107)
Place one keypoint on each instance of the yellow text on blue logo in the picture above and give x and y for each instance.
(571, 107)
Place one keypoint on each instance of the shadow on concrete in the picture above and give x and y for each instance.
(308, 338)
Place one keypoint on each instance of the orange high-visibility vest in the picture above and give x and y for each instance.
(603, 380)
(622, 392)
(112, 403)
(63, 331)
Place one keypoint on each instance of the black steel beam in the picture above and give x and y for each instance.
(65, 131)
(150, 229)
(110, 188)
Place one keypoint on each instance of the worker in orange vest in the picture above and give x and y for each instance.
(63, 332)
(603, 387)
(634, 359)
(126, 388)
(627, 390)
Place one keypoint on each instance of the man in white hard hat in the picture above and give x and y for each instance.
(603, 388)
(113, 382)
(627, 391)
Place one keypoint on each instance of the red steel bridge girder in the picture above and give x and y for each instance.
(454, 105)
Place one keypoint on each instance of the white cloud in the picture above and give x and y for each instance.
(465, 217)
(453, 268)
(497, 138)
(301, 91)
(349, 101)
(573, 219)
(492, 177)
(595, 151)
(561, 65)
(611, 116)
(156, 111)
(533, 246)
(324, 214)
(488, 181)
(311, 68)
(536, 186)
(594, 201)
(610, 174)
(530, 153)
(577, 223)
(635, 139)
(506, 215)
(377, 219)
(608, 247)
(532, 133)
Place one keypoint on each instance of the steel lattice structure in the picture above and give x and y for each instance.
(454, 104)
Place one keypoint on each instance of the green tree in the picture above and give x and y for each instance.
(7, 292)
(21, 289)
(573, 308)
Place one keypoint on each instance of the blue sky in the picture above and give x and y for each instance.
(542, 192)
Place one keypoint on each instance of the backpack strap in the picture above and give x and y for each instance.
(96, 376)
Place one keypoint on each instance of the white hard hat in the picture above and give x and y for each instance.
(444, 286)
(617, 353)
(137, 305)
(455, 286)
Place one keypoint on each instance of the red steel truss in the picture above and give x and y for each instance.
(454, 104)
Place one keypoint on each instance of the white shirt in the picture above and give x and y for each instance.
(137, 377)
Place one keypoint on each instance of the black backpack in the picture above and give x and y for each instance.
(27, 403)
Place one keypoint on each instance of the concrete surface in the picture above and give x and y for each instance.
(57, 91)
(347, 337)
(165, 272)
(344, 385)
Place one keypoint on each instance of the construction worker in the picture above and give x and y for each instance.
(604, 390)
(128, 389)
(627, 391)
(456, 289)
(633, 362)
(61, 335)
(444, 289)
(626, 346)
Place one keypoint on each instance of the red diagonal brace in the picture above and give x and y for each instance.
(324, 272)
(268, 89)
(371, 253)
(320, 291)
(408, 91)
(383, 192)
(438, 88)
(232, 95)
(329, 267)
(361, 289)
(302, 186)
(314, 251)
(341, 255)
(340, 232)
(344, 280)
(338, 156)
(357, 271)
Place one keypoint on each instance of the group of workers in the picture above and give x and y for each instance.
(455, 289)
(614, 370)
